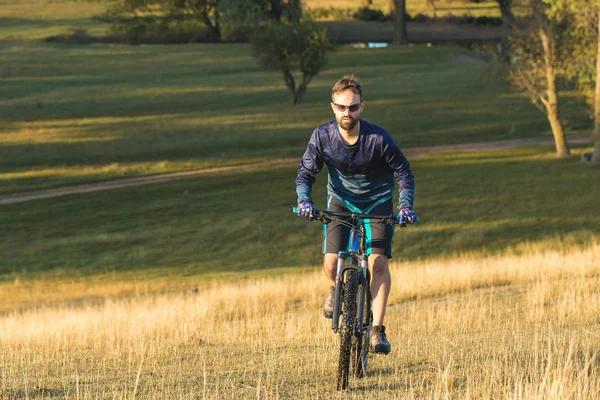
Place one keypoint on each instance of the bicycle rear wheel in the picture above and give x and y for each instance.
(360, 341)
(347, 327)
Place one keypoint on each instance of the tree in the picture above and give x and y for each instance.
(142, 16)
(289, 46)
(535, 64)
(282, 39)
(583, 52)
(240, 18)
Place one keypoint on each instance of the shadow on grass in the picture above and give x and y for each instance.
(488, 203)
(95, 105)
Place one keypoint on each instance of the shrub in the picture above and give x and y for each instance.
(368, 14)
(421, 18)
(331, 13)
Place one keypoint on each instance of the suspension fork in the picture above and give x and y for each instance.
(353, 251)
(339, 283)
(362, 293)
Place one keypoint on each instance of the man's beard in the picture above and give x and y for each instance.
(347, 124)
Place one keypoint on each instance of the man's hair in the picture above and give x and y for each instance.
(347, 82)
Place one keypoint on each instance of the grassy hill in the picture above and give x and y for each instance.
(75, 114)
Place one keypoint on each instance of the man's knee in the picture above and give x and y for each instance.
(330, 265)
(379, 264)
(330, 260)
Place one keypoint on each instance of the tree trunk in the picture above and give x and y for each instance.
(306, 78)
(276, 9)
(391, 5)
(562, 148)
(431, 6)
(213, 29)
(551, 99)
(596, 154)
(506, 11)
(290, 84)
(400, 23)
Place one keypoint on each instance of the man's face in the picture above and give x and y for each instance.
(343, 104)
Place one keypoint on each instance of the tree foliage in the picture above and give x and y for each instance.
(292, 46)
(241, 17)
(147, 17)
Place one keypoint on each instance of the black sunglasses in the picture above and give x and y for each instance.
(351, 107)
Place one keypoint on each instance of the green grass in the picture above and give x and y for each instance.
(469, 203)
(74, 114)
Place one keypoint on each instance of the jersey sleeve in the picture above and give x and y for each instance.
(402, 173)
(310, 165)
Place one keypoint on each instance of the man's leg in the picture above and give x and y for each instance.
(336, 239)
(330, 269)
(380, 289)
(381, 282)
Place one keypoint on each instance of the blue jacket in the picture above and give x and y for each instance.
(362, 173)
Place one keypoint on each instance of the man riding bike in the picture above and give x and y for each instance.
(363, 162)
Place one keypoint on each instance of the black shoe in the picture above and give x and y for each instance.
(378, 341)
(328, 306)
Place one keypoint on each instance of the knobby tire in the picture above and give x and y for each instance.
(347, 327)
(360, 341)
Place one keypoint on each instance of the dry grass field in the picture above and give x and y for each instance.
(185, 291)
(523, 325)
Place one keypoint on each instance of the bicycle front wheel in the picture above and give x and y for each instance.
(360, 340)
(347, 327)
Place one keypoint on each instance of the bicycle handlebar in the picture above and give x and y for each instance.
(328, 216)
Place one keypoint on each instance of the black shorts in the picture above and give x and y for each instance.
(379, 235)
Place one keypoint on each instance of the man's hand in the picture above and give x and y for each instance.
(305, 209)
(407, 216)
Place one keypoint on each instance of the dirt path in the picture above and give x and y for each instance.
(415, 152)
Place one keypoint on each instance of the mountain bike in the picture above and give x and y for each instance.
(352, 313)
